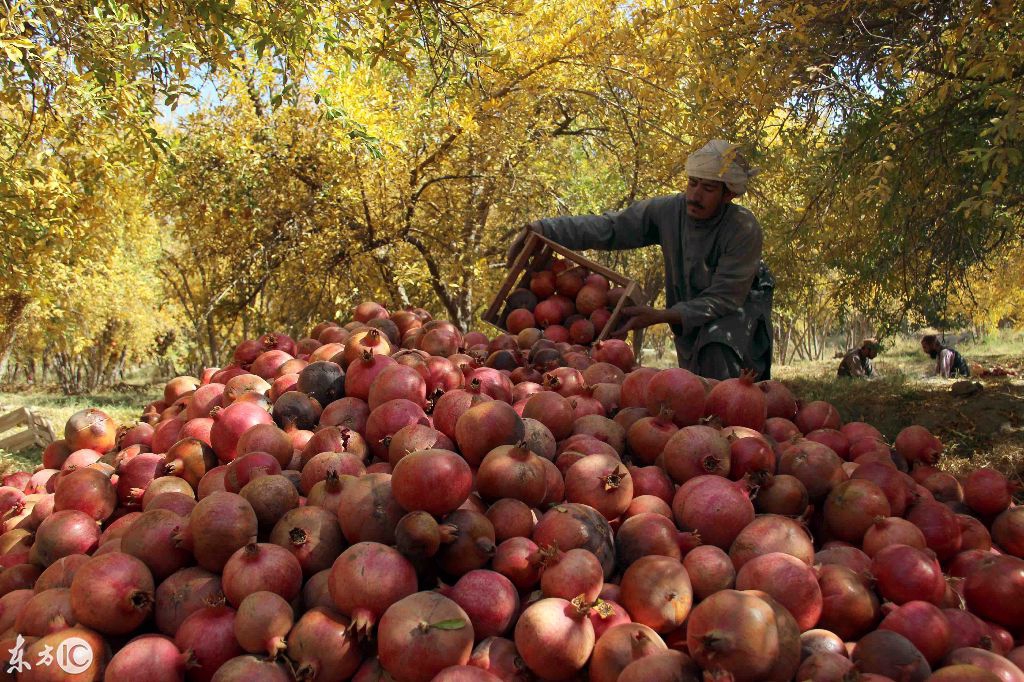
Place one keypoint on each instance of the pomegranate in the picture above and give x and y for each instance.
(435, 481)
(782, 430)
(150, 538)
(517, 560)
(453, 404)
(348, 412)
(851, 508)
(555, 638)
(112, 593)
(817, 415)
(738, 402)
(318, 467)
(183, 593)
(149, 657)
(388, 419)
(70, 642)
(620, 646)
(271, 497)
(576, 525)
(905, 574)
(416, 437)
(422, 634)
(925, 625)
(917, 444)
(570, 574)
(789, 581)
(784, 495)
(779, 400)
(750, 456)
(885, 531)
(219, 525)
(368, 512)
(888, 653)
(60, 573)
(91, 429)
(261, 566)
(469, 542)
(770, 533)
(710, 570)
(656, 592)
(243, 668)
(311, 535)
(734, 632)
(993, 590)
(696, 451)
(716, 508)
(62, 534)
(230, 423)
(366, 579)
(646, 437)
(209, 633)
(321, 646)
(665, 666)
(266, 438)
(1008, 531)
(987, 491)
(651, 533)
(86, 490)
(972, 657)
(890, 481)
(940, 528)
(679, 391)
(816, 465)
(614, 352)
(262, 622)
(489, 599)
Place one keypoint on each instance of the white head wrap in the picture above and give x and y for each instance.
(722, 161)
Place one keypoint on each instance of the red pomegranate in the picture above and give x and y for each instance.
(679, 391)
(421, 635)
(738, 402)
(112, 593)
(555, 638)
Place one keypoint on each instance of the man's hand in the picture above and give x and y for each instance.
(520, 241)
(641, 316)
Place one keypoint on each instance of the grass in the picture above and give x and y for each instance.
(124, 403)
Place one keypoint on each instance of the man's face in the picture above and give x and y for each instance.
(871, 352)
(705, 197)
(929, 348)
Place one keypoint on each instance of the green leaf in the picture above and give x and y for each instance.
(453, 624)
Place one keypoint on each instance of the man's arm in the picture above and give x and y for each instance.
(730, 282)
(630, 228)
(944, 365)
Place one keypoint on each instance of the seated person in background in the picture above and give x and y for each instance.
(948, 362)
(857, 363)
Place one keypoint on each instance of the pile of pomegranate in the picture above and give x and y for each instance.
(393, 499)
(564, 303)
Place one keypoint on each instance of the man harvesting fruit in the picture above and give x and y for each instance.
(857, 363)
(717, 288)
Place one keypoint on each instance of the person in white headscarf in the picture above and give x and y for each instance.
(718, 290)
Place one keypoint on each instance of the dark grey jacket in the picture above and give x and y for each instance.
(714, 274)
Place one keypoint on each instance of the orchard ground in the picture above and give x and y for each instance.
(984, 429)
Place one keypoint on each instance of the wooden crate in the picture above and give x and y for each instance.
(536, 255)
(36, 431)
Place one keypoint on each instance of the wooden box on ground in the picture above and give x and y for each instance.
(36, 431)
(537, 253)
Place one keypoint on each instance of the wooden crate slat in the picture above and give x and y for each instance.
(18, 441)
(16, 418)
